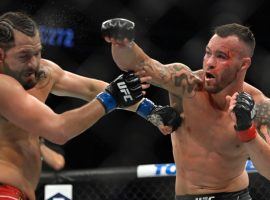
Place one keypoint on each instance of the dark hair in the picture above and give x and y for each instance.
(242, 32)
(15, 20)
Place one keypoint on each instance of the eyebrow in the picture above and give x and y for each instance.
(218, 51)
(221, 52)
(26, 51)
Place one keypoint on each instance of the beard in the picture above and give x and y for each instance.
(220, 84)
(20, 77)
(213, 89)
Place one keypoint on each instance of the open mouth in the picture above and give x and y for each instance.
(209, 75)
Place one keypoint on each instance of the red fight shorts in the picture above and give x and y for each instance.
(8, 192)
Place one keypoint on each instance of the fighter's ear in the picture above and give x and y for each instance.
(246, 62)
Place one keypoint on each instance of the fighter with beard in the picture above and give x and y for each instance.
(218, 132)
(26, 80)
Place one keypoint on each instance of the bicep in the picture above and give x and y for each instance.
(26, 112)
(262, 117)
(177, 78)
(263, 113)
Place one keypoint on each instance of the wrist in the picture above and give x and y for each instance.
(247, 135)
(145, 108)
(107, 100)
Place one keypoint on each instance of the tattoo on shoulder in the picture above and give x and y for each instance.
(185, 79)
(262, 119)
(263, 113)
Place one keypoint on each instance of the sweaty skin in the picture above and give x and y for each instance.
(24, 117)
(20, 151)
(20, 157)
(208, 155)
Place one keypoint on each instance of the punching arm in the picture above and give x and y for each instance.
(176, 77)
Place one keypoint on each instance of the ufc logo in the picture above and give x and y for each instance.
(204, 198)
(123, 88)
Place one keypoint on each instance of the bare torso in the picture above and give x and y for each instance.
(20, 160)
(208, 155)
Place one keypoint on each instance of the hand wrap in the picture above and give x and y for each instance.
(122, 92)
(245, 112)
(159, 115)
(118, 28)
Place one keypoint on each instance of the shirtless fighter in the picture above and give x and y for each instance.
(26, 81)
(218, 132)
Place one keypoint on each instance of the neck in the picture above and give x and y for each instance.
(218, 100)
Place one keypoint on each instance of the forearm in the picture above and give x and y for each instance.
(79, 87)
(95, 88)
(259, 152)
(130, 57)
(52, 158)
(175, 77)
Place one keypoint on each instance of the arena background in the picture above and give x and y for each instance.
(170, 31)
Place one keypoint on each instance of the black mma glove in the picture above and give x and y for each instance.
(118, 28)
(159, 115)
(122, 92)
(245, 112)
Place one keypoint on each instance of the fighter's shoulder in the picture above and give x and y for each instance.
(54, 69)
(254, 92)
(9, 86)
(178, 66)
(8, 81)
(49, 64)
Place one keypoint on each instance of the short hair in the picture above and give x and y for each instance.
(15, 20)
(242, 32)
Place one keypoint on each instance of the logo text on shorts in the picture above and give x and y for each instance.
(204, 198)
(123, 88)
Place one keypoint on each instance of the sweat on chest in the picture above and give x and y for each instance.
(209, 127)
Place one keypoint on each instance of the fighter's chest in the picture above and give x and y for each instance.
(209, 127)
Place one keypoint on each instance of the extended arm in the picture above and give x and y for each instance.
(177, 78)
(30, 114)
(73, 85)
(69, 84)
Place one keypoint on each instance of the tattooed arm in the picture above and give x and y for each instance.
(262, 119)
(177, 78)
(259, 148)
(176, 103)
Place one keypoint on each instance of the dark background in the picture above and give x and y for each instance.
(168, 30)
